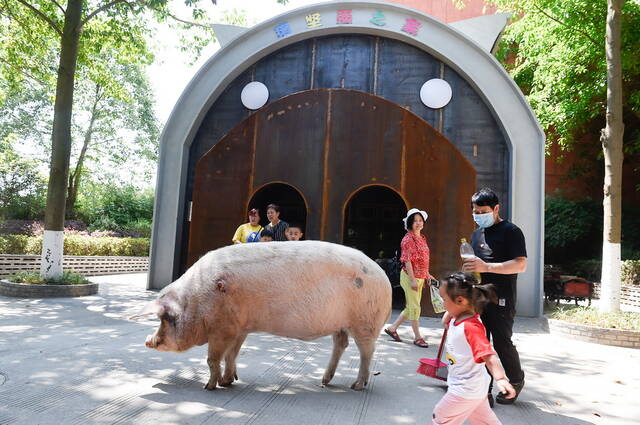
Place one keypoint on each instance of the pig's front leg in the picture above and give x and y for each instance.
(230, 374)
(217, 348)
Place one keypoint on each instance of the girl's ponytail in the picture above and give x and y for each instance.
(481, 295)
(465, 285)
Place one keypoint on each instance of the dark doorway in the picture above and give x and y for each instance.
(293, 208)
(373, 224)
(373, 221)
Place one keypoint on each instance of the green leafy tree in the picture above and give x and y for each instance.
(574, 60)
(114, 121)
(21, 184)
(612, 146)
(74, 26)
(555, 51)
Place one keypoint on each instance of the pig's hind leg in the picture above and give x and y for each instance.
(230, 374)
(217, 348)
(366, 345)
(340, 343)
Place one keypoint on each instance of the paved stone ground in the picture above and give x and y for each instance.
(79, 361)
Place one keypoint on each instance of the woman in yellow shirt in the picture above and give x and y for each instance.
(244, 230)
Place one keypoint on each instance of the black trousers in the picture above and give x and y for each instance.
(498, 320)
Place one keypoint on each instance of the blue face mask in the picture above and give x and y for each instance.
(484, 220)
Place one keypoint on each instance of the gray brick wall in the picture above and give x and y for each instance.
(617, 337)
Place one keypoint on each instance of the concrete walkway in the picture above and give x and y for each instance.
(80, 361)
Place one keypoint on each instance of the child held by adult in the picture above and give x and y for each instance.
(468, 351)
(266, 236)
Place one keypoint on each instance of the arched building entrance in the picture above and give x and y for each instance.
(373, 224)
(293, 208)
(373, 221)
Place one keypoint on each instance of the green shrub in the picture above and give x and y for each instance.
(140, 228)
(573, 230)
(78, 245)
(630, 232)
(631, 272)
(107, 246)
(34, 245)
(68, 278)
(22, 187)
(27, 277)
(588, 269)
(103, 223)
(107, 207)
(14, 244)
(592, 270)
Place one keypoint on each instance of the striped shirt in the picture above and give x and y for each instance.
(278, 230)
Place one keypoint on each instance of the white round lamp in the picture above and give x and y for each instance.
(435, 93)
(254, 95)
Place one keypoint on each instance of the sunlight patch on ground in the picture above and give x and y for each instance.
(403, 419)
(191, 408)
(21, 328)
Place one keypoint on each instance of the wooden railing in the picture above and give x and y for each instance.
(86, 265)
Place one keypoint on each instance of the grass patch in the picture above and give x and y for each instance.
(590, 316)
(68, 278)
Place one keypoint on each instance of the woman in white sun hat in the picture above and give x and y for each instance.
(415, 271)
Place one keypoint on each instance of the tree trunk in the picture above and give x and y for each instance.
(51, 266)
(76, 174)
(611, 138)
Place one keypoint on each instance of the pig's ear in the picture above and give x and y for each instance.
(152, 308)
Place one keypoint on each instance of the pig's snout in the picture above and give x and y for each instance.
(151, 341)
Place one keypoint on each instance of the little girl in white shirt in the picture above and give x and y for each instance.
(468, 351)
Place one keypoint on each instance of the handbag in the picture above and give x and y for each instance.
(436, 300)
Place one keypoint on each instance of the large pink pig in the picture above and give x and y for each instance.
(302, 290)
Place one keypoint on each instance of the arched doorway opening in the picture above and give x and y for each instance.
(373, 221)
(373, 224)
(293, 208)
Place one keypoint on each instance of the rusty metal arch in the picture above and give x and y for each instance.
(361, 188)
(327, 144)
(265, 185)
(258, 189)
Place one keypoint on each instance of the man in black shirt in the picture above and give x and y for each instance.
(500, 255)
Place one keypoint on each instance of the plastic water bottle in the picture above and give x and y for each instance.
(467, 253)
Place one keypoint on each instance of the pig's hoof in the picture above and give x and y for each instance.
(326, 379)
(210, 386)
(226, 382)
(358, 385)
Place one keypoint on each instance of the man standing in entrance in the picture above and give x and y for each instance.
(500, 255)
